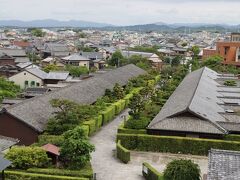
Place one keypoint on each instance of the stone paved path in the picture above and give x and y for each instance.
(108, 167)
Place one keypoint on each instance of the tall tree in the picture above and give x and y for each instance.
(116, 58)
(118, 91)
(76, 148)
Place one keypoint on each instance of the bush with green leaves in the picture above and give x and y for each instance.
(68, 116)
(182, 170)
(75, 152)
(85, 171)
(128, 87)
(77, 71)
(121, 129)
(51, 67)
(118, 92)
(25, 157)
(172, 144)
(18, 175)
(52, 139)
(8, 89)
(122, 153)
(230, 83)
(140, 123)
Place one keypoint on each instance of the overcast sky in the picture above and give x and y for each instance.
(124, 12)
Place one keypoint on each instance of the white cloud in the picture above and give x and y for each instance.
(124, 11)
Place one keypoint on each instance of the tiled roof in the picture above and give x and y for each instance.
(51, 149)
(36, 111)
(76, 57)
(57, 75)
(37, 72)
(7, 142)
(14, 52)
(199, 95)
(223, 165)
(4, 163)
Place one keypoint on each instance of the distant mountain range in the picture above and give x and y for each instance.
(159, 26)
(51, 23)
(178, 27)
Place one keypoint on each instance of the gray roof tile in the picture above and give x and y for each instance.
(223, 165)
(36, 111)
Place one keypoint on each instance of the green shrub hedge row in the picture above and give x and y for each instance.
(122, 153)
(86, 129)
(150, 173)
(173, 144)
(119, 106)
(46, 138)
(92, 126)
(232, 137)
(85, 172)
(99, 121)
(123, 130)
(108, 114)
(17, 175)
(127, 99)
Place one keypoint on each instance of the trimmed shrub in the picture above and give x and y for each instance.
(173, 144)
(85, 172)
(92, 126)
(17, 175)
(108, 114)
(99, 121)
(24, 157)
(182, 170)
(122, 153)
(140, 123)
(150, 173)
(127, 99)
(53, 139)
(86, 129)
(123, 130)
(232, 137)
(119, 106)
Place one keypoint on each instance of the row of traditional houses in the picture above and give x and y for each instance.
(27, 119)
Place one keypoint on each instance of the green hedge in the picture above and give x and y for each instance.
(123, 130)
(173, 144)
(122, 153)
(18, 175)
(232, 137)
(86, 129)
(108, 114)
(53, 139)
(152, 173)
(119, 106)
(85, 172)
(127, 99)
(99, 120)
(92, 126)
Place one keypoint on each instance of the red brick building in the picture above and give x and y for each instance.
(229, 50)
